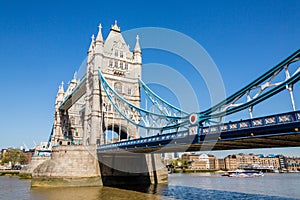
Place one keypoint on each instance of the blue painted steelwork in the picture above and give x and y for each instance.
(49, 140)
(159, 102)
(226, 107)
(173, 118)
(127, 109)
(266, 126)
(219, 111)
(271, 120)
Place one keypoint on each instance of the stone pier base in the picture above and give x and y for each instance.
(132, 169)
(72, 166)
(69, 166)
(35, 161)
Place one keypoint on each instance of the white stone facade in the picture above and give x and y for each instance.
(89, 117)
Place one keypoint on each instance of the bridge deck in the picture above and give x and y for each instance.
(267, 132)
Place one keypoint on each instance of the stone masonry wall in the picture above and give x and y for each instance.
(69, 164)
(35, 161)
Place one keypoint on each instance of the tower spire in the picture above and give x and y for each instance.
(61, 88)
(74, 80)
(99, 36)
(92, 44)
(137, 47)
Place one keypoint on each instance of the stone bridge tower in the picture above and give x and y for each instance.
(87, 116)
(121, 68)
(84, 115)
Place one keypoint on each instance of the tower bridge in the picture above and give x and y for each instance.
(106, 101)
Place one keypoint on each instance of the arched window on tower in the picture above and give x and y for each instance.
(110, 63)
(72, 120)
(118, 87)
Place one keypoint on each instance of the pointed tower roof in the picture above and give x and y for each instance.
(92, 44)
(137, 47)
(115, 27)
(99, 36)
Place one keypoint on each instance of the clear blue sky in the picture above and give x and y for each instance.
(44, 42)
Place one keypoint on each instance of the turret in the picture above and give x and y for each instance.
(99, 41)
(92, 45)
(99, 38)
(60, 94)
(137, 51)
(71, 85)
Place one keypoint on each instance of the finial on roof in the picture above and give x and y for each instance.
(99, 36)
(61, 88)
(74, 77)
(137, 47)
(115, 27)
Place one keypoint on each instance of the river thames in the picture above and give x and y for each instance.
(181, 186)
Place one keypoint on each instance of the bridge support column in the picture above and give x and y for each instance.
(158, 173)
(132, 169)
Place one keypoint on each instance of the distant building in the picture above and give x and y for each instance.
(170, 156)
(202, 161)
(220, 163)
(269, 161)
(241, 161)
(231, 162)
(292, 163)
(29, 153)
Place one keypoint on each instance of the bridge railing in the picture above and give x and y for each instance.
(152, 139)
(278, 119)
(252, 123)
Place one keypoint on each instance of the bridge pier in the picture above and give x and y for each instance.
(72, 166)
(69, 166)
(132, 169)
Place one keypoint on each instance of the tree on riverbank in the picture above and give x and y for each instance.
(15, 156)
(180, 163)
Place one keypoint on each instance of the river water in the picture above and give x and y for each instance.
(180, 186)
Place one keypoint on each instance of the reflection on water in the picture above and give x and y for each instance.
(89, 193)
(181, 186)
